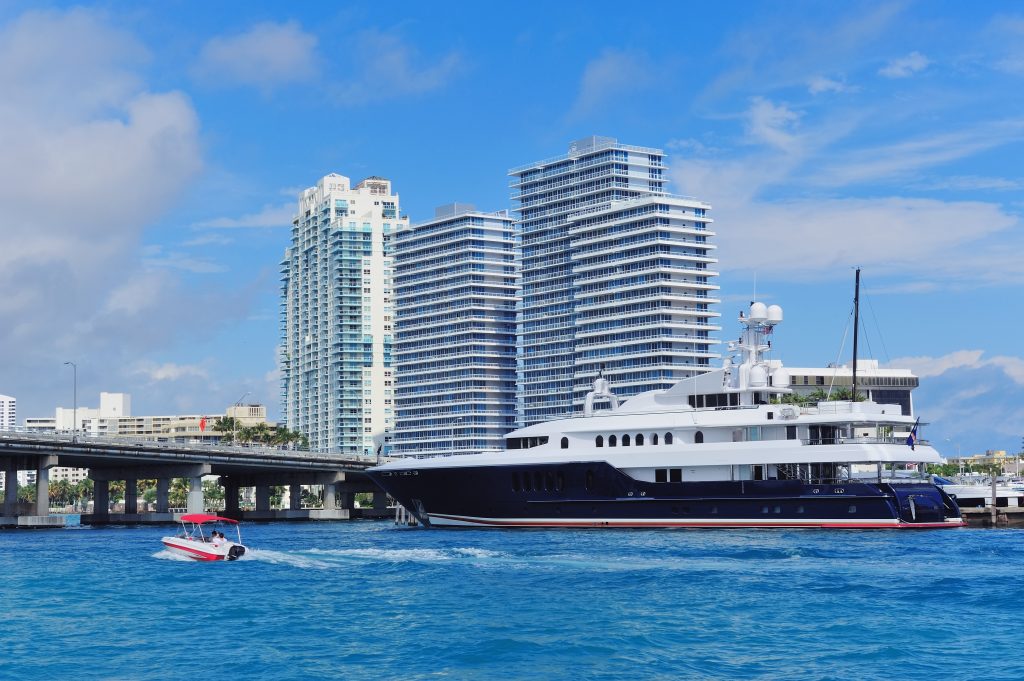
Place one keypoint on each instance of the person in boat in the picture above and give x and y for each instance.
(217, 538)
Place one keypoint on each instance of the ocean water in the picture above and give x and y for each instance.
(369, 600)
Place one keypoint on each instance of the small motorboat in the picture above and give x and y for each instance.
(211, 545)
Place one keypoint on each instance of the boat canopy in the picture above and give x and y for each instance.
(206, 518)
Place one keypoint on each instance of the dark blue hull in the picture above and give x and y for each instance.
(599, 495)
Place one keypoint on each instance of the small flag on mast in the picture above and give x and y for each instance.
(912, 438)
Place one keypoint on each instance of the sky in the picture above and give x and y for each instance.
(151, 155)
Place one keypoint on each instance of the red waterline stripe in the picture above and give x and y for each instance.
(197, 552)
(590, 523)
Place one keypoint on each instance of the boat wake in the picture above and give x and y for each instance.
(164, 554)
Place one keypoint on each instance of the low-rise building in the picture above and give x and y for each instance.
(884, 386)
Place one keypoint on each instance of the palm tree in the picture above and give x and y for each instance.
(226, 426)
(61, 492)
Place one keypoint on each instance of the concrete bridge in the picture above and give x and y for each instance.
(112, 459)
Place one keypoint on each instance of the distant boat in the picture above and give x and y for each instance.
(711, 451)
(194, 543)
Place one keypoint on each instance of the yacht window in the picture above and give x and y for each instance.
(853, 509)
(660, 475)
(758, 472)
(565, 443)
(668, 438)
(599, 440)
(771, 415)
(790, 432)
(559, 481)
(625, 440)
(538, 482)
(526, 482)
(778, 509)
(639, 439)
(799, 509)
(698, 438)
(675, 475)
(549, 482)
(612, 441)
(654, 439)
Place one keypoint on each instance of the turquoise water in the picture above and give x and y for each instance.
(368, 600)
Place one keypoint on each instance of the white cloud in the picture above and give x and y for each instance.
(903, 67)
(265, 56)
(818, 84)
(269, 216)
(772, 124)
(90, 156)
(925, 367)
(387, 68)
(972, 183)
(612, 74)
(169, 371)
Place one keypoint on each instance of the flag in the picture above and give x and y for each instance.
(912, 438)
(202, 424)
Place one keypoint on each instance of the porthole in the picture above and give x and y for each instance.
(639, 439)
(654, 439)
(668, 438)
(599, 441)
(612, 440)
(625, 440)
(698, 438)
(565, 443)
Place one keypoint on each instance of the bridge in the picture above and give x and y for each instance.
(115, 458)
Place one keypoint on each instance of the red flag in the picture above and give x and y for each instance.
(202, 424)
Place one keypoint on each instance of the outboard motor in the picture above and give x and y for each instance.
(236, 552)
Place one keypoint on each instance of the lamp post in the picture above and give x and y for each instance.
(74, 432)
(234, 419)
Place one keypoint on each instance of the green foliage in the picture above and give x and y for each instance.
(212, 491)
(27, 493)
(62, 493)
(177, 494)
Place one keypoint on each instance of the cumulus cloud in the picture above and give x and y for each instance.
(1011, 367)
(388, 67)
(904, 67)
(265, 56)
(818, 84)
(269, 216)
(89, 156)
(610, 75)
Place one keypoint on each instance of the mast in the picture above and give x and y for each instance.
(856, 327)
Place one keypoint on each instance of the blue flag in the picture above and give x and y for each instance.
(912, 438)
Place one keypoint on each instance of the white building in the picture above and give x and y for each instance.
(8, 412)
(884, 386)
(616, 274)
(455, 343)
(337, 315)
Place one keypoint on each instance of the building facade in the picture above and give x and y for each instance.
(8, 412)
(337, 315)
(616, 277)
(884, 386)
(455, 363)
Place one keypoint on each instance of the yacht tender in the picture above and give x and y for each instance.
(712, 451)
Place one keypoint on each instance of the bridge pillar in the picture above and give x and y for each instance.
(295, 496)
(42, 490)
(230, 496)
(195, 495)
(330, 491)
(163, 489)
(101, 497)
(263, 497)
(131, 495)
(10, 487)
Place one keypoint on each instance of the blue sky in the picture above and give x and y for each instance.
(150, 156)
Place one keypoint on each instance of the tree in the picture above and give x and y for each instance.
(177, 494)
(226, 426)
(62, 492)
(27, 493)
(83, 492)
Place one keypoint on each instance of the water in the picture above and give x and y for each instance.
(369, 600)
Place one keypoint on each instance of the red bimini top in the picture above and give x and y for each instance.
(205, 518)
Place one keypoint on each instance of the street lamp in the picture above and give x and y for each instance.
(74, 432)
(234, 419)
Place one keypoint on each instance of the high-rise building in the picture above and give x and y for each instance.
(455, 343)
(616, 277)
(8, 412)
(337, 315)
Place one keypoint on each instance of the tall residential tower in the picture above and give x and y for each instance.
(616, 277)
(455, 291)
(337, 383)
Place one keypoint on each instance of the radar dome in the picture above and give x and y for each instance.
(780, 378)
(758, 313)
(774, 314)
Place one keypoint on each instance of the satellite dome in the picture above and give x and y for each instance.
(758, 313)
(774, 314)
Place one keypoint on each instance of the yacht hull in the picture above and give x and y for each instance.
(596, 494)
